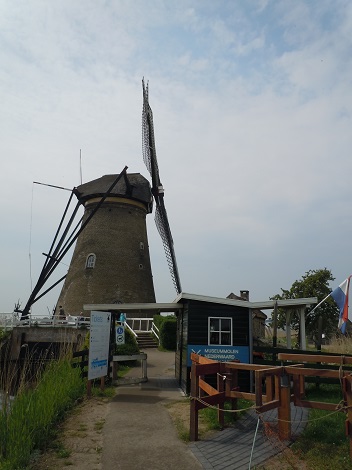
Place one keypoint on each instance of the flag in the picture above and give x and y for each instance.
(340, 295)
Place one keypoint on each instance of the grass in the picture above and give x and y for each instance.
(208, 420)
(210, 415)
(323, 444)
(29, 422)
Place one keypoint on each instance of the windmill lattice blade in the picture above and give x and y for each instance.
(150, 160)
(163, 227)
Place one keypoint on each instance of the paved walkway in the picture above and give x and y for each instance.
(139, 433)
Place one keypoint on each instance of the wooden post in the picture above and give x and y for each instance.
(231, 385)
(114, 370)
(269, 387)
(221, 377)
(320, 332)
(347, 388)
(302, 324)
(89, 389)
(288, 329)
(102, 383)
(284, 410)
(275, 331)
(194, 408)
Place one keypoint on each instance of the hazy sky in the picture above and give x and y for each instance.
(252, 111)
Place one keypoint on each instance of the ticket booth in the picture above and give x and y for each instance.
(217, 328)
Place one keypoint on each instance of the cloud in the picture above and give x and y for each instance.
(252, 113)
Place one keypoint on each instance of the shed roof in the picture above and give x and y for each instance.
(177, 304)
(266, 304)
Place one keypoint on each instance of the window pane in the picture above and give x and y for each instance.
(226, 338)
(214, 324)
(214, 338)
(226, 324)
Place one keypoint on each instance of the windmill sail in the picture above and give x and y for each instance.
(150, 160)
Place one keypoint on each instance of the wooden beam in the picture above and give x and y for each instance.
(340, 360)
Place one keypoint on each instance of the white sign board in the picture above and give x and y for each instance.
(99, 344)
(120, 334)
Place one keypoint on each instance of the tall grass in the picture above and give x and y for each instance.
(323, 444)
(340, 345)
(28, 422)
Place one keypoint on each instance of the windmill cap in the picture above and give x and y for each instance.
(135, 187)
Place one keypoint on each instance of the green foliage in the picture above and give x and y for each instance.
(167, 332)
(4, 334)
(130, 347)
(158, 320)
(29, 422)
(314, 283)
(323, 444)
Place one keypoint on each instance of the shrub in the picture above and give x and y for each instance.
(168, 333)
(130, 347)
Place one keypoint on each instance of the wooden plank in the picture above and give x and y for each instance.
(207, 369)
(318, 405)
(315, 358)
(201, 359)
(270, 405)
(241, 366)
(213, 399)
(245, 395)
(203, 385)
(312, 372)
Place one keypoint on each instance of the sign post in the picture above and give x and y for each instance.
(99, 344)
(120, 334)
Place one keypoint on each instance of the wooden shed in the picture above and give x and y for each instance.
(221, 329)
(217, 328)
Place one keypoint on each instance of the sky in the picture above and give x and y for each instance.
(252, 112)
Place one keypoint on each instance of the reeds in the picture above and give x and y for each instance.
(340, 345)
(27, 423)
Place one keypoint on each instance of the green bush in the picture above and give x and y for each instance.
(130, 347)
(167, 332)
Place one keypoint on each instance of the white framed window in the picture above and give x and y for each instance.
(90, 261)
(220, 331)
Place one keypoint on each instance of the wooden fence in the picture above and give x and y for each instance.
(274, 387)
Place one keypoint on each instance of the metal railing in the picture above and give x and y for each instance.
(140, 324)
(9, 321)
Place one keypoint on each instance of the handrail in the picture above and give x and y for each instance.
(155, 330)
(130, 329)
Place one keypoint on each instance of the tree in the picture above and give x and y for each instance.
(314, 283)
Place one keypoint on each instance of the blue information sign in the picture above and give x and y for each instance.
(219, 353)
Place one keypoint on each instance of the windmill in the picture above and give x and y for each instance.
(111, 261)
(150, 160)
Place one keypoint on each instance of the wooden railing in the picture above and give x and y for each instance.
(275, 387)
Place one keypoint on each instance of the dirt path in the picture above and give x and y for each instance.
(80, 439)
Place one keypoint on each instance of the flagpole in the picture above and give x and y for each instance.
(320, 303)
